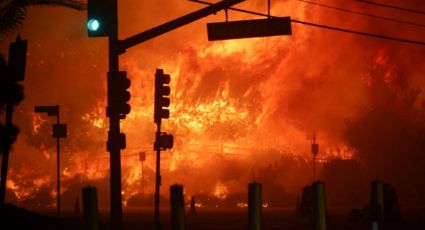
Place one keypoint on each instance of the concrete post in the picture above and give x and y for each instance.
(377, 201)
(177, 207)
(254, 206)
(90, 209)
(319, 206)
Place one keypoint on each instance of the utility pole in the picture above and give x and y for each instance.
(314, 152)
(15, 72)
(59, 131)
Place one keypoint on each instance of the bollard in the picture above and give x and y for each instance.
(375, 225)
(319, 206)
(90, 210)
(192, 211)
(177, 207)
(377, 201)
(77, 206)
(254, 206)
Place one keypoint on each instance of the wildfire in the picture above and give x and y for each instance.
(221, 191)
(237, 107)
(23, 191)
(37, 121)
(96, 118)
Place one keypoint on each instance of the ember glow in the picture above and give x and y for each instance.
(238, 108)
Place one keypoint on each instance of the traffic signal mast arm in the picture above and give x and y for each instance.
(176, 23)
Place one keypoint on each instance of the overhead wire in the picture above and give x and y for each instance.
(363, 14)
(392, 6)
(324, 26)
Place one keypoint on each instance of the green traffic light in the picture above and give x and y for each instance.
(93, 25)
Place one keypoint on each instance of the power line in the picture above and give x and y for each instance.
(364, 14)
(392, 7)
(360, 33)
(325, 26)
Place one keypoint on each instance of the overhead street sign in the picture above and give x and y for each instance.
(249, 28)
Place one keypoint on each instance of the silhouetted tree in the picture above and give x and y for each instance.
(13, 12)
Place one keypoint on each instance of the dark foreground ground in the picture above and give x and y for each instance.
(206, 219)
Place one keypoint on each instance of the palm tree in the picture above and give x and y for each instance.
(12, 12)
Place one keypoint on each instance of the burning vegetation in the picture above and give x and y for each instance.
(240, 110)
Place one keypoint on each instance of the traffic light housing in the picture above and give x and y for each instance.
(11, 91)
(17, 59)
(162, 93)
(120, 141)
(163, 141)
(98, 18)
(119, 95)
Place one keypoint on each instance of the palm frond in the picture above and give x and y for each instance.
(13, 12)
(73, 4)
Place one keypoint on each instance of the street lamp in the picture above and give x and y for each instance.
(59, 131)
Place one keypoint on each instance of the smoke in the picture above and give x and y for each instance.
(237, 107)
(389, 136)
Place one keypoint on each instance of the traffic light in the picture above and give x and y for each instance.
(120, 141)
(11, 73)
(98, 17)
(163, 141)
(119, 95)
(17, 59)
(162, 93)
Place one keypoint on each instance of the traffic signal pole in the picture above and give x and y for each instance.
(114, 124)
(16, 73)
(157, 178)
(58, 175)
(6, 150)
(58, 131)
(163, 141)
